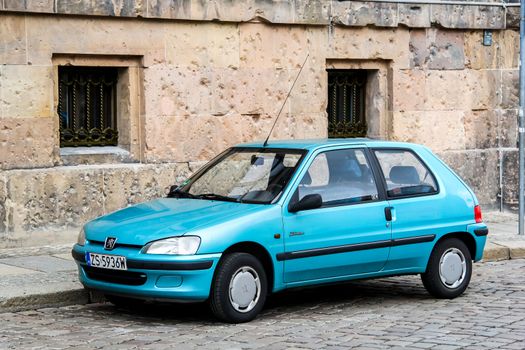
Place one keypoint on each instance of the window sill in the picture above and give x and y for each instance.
(94, 155)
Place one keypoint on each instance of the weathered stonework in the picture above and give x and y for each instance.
(61, 198)
(196, 77)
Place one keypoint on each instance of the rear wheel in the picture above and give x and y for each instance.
(239, 288)
(449, 269)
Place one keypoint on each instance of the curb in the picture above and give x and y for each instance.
(54, 299)
(498, 251)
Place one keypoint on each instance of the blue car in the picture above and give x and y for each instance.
(259, 219)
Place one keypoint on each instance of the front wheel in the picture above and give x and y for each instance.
(239, 288)
(448, 270)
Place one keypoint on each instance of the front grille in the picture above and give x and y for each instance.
(115, 276)
(117, 244)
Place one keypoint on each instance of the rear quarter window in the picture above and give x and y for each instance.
(405, 174)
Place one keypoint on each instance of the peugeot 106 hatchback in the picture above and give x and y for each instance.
(259, 219)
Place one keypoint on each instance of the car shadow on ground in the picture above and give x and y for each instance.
(391, 290)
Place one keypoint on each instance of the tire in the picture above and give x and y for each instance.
(449, 269)
(239, 288)
(123, 302)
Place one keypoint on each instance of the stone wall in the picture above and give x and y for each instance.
(193, 88)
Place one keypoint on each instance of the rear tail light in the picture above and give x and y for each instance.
(477, 214)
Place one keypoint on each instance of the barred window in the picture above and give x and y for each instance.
(87, 106)
(346, 103)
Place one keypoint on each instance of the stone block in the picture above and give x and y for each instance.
(513, 17)
(480, 170)
(508, 128)
(216, 45)
(131, 184)
(27, 142)
(503, 53)
(478, 56)
(265, 46)
(509, 41)
(510, 186)
(362, 13)
(3, 209)
(30, 5)
(446, 89)
(54, 199)
(169, 9)
(170, 90)
(370, 44)
(197, 138)
(482, 129)
(437, 49)
(56, 35)
(27, 91)
(409, 90)
(423, 126)
(12, 39)
(510, 89)
(482, 89)
(312, 11)
(309, 94)
(123, 8)
(414, 15)
(472, 17)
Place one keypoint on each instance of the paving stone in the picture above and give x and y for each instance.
(389, 313)
(41, 263)
(8, 270)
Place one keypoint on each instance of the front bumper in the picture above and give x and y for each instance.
(150, 277)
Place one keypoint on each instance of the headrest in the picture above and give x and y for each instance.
(404, 175)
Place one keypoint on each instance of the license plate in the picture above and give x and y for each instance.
(103, 261)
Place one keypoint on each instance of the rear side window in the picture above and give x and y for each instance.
(405, 174)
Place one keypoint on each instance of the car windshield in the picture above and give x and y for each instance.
(249, 175)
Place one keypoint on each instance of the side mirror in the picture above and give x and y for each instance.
(310, 201)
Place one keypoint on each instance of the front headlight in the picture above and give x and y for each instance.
(81, 239)
(184, 245)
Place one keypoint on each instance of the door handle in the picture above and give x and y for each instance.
(388, 213)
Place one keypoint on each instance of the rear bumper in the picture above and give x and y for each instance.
(175, 278)
(479, 232)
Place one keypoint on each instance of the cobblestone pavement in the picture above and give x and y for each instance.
(387, 313)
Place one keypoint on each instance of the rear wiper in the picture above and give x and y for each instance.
(180, 194)
(215, 196)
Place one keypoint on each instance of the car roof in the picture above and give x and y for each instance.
(312, 144)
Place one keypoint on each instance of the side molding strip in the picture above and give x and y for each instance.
(353, 247)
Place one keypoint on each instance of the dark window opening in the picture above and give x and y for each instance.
(346, 103)
(87, 106)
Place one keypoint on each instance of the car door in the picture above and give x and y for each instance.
(348, 234)
(416, 206)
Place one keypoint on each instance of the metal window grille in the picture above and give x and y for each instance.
(346, 103)
(87, 106)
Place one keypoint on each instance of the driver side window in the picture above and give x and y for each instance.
(339, 177)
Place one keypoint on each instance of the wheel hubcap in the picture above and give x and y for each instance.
(245, 289)
(452, 268)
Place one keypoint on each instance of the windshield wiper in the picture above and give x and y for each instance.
(180, 194)
(213, 196)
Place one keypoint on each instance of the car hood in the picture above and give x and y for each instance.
(163, 218)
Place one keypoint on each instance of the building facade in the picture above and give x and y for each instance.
(106, 103)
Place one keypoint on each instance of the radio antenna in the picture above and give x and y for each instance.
(286, 99)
